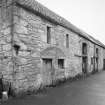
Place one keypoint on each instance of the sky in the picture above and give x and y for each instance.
(88, 15)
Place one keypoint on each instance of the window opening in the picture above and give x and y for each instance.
(48, 34)
(67, 41)
(97, 51)
(84, 48)
(61, 63)
(92, 60)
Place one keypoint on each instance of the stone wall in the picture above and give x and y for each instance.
(100, 58)
(30, 34)
(6, 64)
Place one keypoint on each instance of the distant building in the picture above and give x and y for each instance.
(38, 47)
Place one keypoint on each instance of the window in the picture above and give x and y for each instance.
(92, 60)
(61, 63)
(96, 51)
(48, 34)
(84, 48)
(96, 60)
(67, 41)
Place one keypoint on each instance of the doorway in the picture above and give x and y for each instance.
(103, 64)
(48, 71)
(96, 64)
(84, 58)
(84, 65)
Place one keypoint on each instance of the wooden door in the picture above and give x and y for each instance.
(47, 66)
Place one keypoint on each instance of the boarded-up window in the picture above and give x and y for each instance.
(61, 63)
(67, 41)
(48, 34)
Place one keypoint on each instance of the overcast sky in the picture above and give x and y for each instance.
(88, 15)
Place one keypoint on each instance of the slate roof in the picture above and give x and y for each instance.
(41, 10)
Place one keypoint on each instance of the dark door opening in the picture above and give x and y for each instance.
(96, 64)
(84, 65)
(84, 58)
(93, 65)
(103, 64)
(97, 53)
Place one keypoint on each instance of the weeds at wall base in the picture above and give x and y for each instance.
(43, 89)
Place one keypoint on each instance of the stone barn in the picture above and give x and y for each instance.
(38, 47)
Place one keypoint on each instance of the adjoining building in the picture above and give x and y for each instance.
(38, 47)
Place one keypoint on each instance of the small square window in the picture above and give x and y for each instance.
(61, 63)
